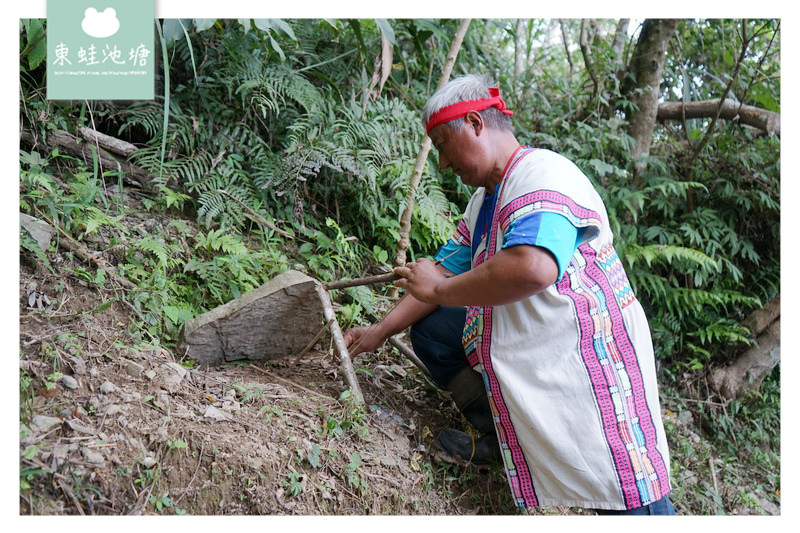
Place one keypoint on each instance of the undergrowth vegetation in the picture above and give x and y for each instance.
(269, 137)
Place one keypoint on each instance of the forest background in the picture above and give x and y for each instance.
(278, 142)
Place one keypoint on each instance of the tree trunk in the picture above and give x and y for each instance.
(620, 38)
(107, 142)
(750, 369)
(747, 372)
(72, 145)
(647, 65)
(565, 39)
(519, 49)
(765, 120)
(425, 148)
(586, 41)
(759, 319)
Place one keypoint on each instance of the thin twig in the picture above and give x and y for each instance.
(292, 383)
(74, 246)
(199, 460)
(695, 401)
(713, 474)
(709, 130)
(67, 492)
(258, 218)
(314, 341)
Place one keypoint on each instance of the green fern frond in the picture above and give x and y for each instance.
(95, 219)
(155, 247)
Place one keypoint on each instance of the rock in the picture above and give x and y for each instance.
(215, 415)
(148, 462)
(107, 387)
(111, 409)
(92, 456)
(388, 461)
(41, 231)
(686, 418)
(150, 374)
(178, 369)
(132, 368)
(769, 507)
(170, 378)
(231, 406)
(162, 400)
(69, 382)
(77, 427)
(78, 365)
(43, 423)
(385, 416)
(96, 403)
(273, 321)
(62, 451)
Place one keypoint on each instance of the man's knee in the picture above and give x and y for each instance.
(436, 340)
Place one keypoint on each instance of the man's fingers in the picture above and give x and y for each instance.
(349, 337)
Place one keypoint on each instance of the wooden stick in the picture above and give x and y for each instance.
(409, 354)
(256, 217)
(424, 149)
(343, 284)
(82, 252)
(314, 394)
(314, 341)
(380, 278)
(112, 144)
(338, 342)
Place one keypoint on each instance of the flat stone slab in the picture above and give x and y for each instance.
(273, 321)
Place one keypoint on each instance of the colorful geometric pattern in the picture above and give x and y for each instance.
(609, 261)
(610, 360)
(473, 325)
(549, 201)
(461, 235)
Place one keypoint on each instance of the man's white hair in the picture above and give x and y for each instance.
(467, 87)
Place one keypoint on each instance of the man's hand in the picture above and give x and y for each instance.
(512, 274)
(363, 339)
(421, 279)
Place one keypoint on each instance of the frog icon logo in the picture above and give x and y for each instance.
(100, 25)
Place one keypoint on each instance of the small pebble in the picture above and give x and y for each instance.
(44, 423)
(92, 456)
(69, 382)
(133, 369)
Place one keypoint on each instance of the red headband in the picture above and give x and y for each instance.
(460, 109)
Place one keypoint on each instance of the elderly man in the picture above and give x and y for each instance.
(531, 323)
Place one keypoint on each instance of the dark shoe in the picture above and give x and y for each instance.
(469, 395)
(481, 451)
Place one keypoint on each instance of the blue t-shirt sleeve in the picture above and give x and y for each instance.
(551, 231)
(460, 261)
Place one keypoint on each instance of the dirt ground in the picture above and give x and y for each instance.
(112, 423)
